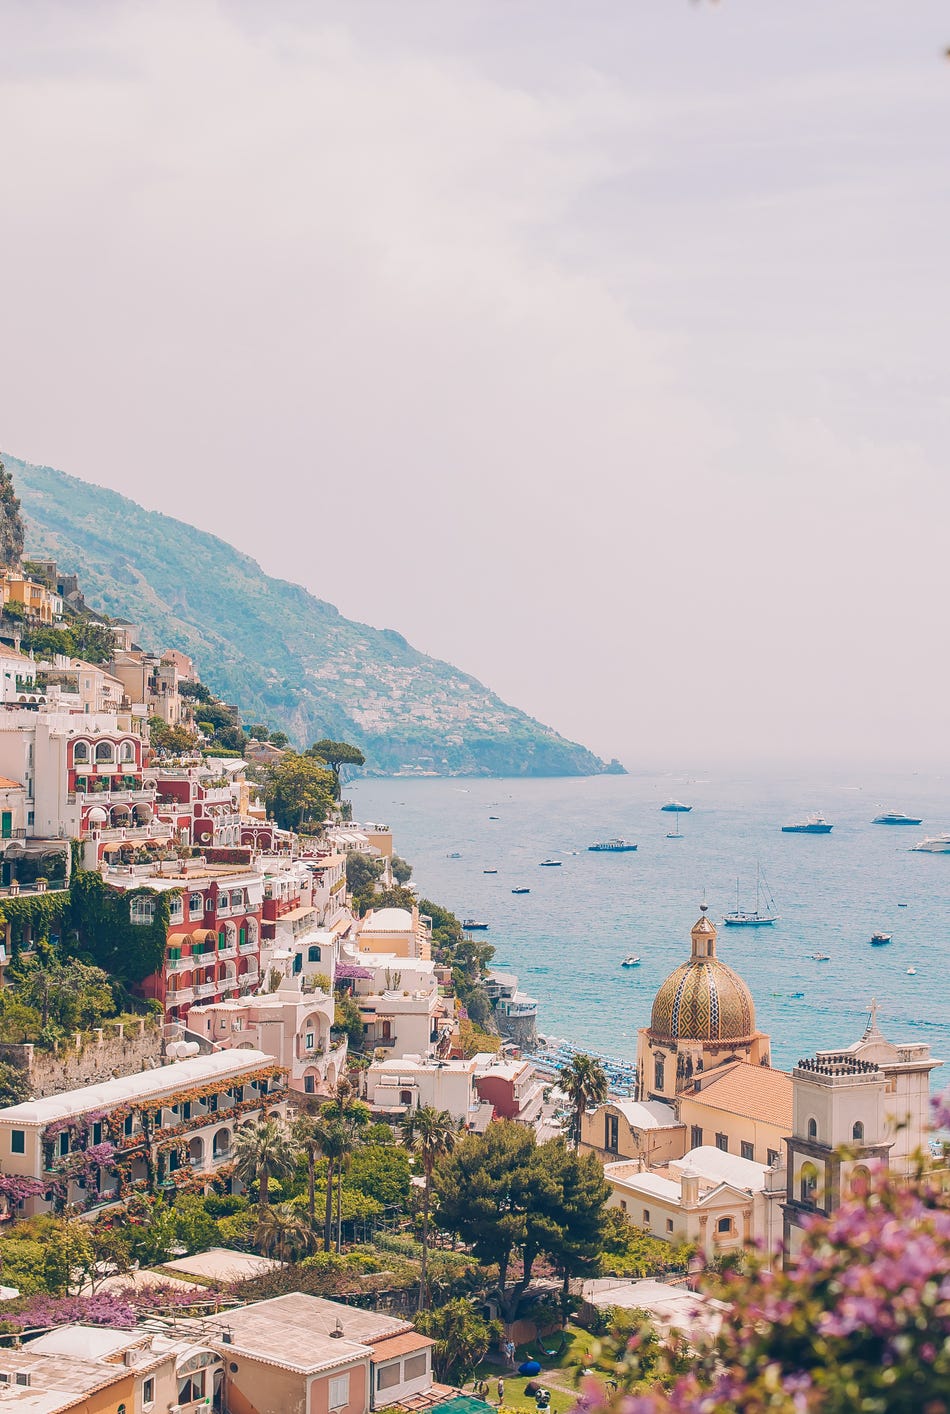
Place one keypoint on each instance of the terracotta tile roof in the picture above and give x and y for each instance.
(392, 1345)
(7, 784)
(753, 1091)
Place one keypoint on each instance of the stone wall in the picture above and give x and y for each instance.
(89, 1057)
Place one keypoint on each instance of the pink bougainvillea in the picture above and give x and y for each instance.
(860, 1320)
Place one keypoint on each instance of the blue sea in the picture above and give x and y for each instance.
(568, 937)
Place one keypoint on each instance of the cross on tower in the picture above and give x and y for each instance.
(872, 1018)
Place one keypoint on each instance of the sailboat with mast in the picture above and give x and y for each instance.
(764, 914)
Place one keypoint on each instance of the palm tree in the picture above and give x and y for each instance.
(309, 1134)
(430, 1133)
(263, 1151)
(334, 1142)
(346, 1116)
(284, 1231)
(584, 1082)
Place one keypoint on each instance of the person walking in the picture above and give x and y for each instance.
(501, 1391)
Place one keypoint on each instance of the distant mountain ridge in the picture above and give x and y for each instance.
(284, 656)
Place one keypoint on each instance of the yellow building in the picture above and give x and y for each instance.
(741, 1109)
(703, 1017)
(647, 1130)
(39, 603)
(397, 931)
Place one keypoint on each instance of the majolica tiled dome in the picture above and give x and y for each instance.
(703, 999)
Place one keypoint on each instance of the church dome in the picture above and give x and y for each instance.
(703, 999)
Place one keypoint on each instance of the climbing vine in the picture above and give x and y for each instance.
(101, 917)
(43, 914)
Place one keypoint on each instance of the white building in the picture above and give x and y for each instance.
(180, 1116)
(397, 1085)
(396, 931)
(718, 1201)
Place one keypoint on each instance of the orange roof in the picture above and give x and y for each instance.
(753, 1091)
(7, 784)
(391, 1346)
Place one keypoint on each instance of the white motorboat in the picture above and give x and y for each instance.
(939, 844)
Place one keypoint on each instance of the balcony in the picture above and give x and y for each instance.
(226, 954)
(179, 964)
(180, 996)
(249, 945)
(207, 989)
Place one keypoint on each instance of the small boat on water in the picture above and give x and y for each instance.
(796, 996)
(494, 817)
(631, 961)
(902, 905)
(489, 871)
(879, 939)
(617, 846)
(762, 916)
(676, 807)
(895, 817)
(521, 891)
(820, 956)
(814, 825)
(473, 925)
(939, 844)
(911, 972)
(454, 855)
(550, 864)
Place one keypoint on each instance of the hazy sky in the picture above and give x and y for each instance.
(599, 346)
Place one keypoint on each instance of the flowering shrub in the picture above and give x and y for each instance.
(859, 1321)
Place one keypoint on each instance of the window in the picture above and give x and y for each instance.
(669, 1224)
(696, 1137)
(176, 912)
(813, 1129)
(808, 1184)
(857, 1131)
(237, 898)
(309, 1041)
(646, 1215)
(192, 1388)
(105, 751)
(414, 1367)
(127, 751)
(80, 751)
(611, 1133)
(64, 1144)
(309, 1087)
(623, 1205)
(142, 909)
(298, 963)
(339, 1395)
(196, 906)
(313, 954)
(771, 1157)
(658, 1074)
(97, 1133)
(746, 1150)
(148, 1390)
(724, 1225)
(17, 1141)
(127, 1126)
(6, 829)
(209, 904)
(387, 1376)
(722, 1142)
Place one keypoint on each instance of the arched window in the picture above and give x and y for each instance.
(105, 751)
(857, 1131)
(313, 953)
(724, 1226)
(860, 1179)
(80, 752)
(813, 1129)
(127, 751)
(808, 1180)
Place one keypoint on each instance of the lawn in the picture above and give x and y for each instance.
(557, 1372)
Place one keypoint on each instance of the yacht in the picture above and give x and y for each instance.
(940, 844)
(814, 825)
(550, 864)
(895, 817)
(630, 961)
(676, 807)
(762, 916)
(521, 891)
(611, 847)
(473, 925)
(878, 940)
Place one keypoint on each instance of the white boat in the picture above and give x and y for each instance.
(911, 972)
(762, 916)
(630, 961)
(939, 844)
(895, 817)
(616, 846)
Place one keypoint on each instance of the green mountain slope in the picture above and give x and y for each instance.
(282, 655)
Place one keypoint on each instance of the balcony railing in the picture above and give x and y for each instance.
(225, 954)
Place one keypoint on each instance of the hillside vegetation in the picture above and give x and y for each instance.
(284, 656)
